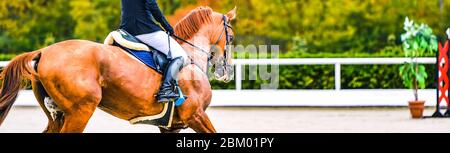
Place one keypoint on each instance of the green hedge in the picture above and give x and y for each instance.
(322, 77)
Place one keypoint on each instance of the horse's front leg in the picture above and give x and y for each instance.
(195, 83)
(192, 113)
(200, 123)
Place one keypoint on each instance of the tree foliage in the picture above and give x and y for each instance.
(305, 26)
(302, 28)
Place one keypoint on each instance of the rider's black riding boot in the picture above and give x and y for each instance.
(167, 91)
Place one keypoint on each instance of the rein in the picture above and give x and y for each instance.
(196, 47)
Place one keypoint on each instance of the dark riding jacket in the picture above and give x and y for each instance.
(137, 17)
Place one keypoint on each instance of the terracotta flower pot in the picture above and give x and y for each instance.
(416, 108)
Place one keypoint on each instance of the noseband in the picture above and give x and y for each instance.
(228, 39)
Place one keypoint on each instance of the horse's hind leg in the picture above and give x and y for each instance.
(77, 100)
(77, 117)
(200, 123)
(75, 122)
(54, 125)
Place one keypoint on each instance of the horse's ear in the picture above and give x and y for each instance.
(232, 14)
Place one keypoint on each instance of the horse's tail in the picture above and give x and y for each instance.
(14, 78)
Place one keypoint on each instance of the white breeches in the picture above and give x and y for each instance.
(160, 41)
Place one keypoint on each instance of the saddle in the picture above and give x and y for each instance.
(153, 59)
(145, 54)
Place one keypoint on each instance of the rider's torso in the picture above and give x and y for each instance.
(137, 17)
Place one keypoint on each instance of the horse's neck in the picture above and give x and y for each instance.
(200, 58)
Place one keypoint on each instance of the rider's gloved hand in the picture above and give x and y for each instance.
(170, 32)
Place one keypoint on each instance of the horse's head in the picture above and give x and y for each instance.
(216, 29)
(222, 36)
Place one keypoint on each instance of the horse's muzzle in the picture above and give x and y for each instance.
(224, 73)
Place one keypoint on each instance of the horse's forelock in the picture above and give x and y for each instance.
(192, 23)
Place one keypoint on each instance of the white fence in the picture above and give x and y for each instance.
(301, 97)
(337, 62)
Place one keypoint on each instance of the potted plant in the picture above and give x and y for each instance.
(416, 41)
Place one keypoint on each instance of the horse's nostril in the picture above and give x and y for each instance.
(227, 79)
(220, 71)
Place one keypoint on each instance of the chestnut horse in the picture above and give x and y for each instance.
(81, 76)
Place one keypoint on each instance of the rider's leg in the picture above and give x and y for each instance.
(167, 90)
(177, 56)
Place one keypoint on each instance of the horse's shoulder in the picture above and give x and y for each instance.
(192, 72)
(192, 68)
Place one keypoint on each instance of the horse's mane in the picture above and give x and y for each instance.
(192, 23)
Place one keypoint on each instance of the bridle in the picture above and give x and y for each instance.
(210, 54)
